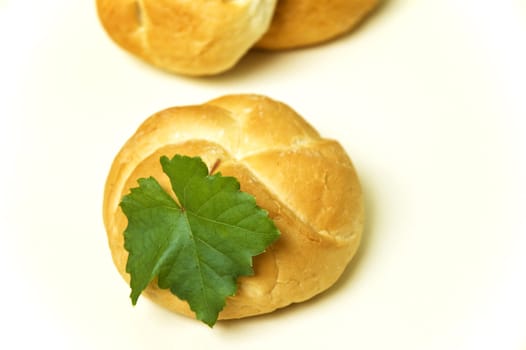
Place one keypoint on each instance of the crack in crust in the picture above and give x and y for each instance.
(139, 13)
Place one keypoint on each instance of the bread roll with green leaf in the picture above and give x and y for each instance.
(298, 23)
(306, 183)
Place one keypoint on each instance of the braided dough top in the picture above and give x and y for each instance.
(306, 183)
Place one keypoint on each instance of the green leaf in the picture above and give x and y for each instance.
(198, 244)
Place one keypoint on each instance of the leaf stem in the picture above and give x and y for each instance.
(215, 166)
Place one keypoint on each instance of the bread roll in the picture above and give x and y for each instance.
(306, 22)
(192, 37)
(306, 183)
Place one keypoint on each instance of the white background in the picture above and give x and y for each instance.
(428, 98)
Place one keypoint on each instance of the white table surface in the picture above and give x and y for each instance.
(428, 98)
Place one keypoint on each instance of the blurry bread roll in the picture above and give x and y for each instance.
(191, 37)
(299, 23)
(207, 37)
(306, 183)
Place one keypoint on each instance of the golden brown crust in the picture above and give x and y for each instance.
(198, 37)
(306, 183)
(299, 23)
(206, 37)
